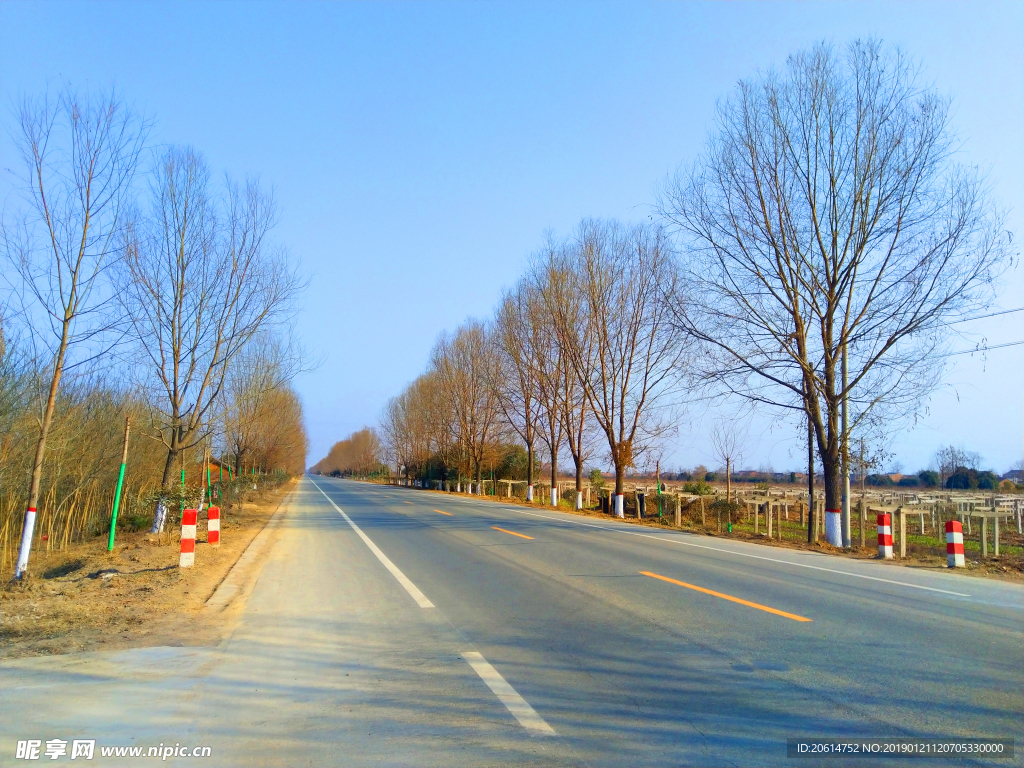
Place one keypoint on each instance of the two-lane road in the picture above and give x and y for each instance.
(394, 626)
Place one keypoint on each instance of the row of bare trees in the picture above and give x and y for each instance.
(823, 247)
(131, 268)
(579, 354)
(357, 455)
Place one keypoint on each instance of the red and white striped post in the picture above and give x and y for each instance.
(885, 537)
(188, 538)
(955, 544)
(213, 526)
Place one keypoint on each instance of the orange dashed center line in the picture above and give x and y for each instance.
(442, 512)
(759, 607)
(512, 533)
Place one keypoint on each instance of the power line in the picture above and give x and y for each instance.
(986, 349)
(982, 317)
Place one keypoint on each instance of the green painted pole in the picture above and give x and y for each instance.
(120, 484)
(658, 477)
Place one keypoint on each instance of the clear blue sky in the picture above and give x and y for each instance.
(420, 151)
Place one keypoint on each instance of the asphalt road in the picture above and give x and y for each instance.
(399, 627)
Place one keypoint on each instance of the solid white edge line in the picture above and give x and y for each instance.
(411, 588)
(514, 703)
(742, 554)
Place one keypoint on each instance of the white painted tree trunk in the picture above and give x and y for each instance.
(620, 505)
(554, 497)
(160, 517)
(529, 492)
(834, 527)
(26, 542)
(579, 499)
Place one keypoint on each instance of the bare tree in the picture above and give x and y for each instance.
(515, 384)
(949, 459)
(80, 154)
(360, 453)
(417, 425)
(465, 363)
(626, 360)
(727, 438)
(831, 239)
(550, 366)
(561, 313)
(202, 281)
(254, 380)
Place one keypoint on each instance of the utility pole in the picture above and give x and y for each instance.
(120, 483)
(863, 511)
(811, 529)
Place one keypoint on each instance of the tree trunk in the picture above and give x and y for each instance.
(28, 527)
(811, 527)
(579, 482)
(831, 468)
(160, 513)
(618, 508)
(554, 480)
(529, 471)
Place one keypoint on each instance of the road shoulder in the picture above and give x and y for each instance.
(85, 599)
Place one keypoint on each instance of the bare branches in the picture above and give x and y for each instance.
(515, 384)
(825, 218)
(254, 401)
(203, 281)
(358, 454)
(617, 339)
(80, 158)
(466, 364)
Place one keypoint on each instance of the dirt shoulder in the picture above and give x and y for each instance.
(85, 598)
(1005, 567)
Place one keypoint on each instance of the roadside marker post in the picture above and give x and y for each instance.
(120, 485)
(213, 526)
(187, 558)
(885, 537)
(955, 544)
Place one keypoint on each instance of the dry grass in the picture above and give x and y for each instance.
(84, 598)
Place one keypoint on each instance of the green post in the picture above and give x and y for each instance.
(117, 492)
(182, 510)
(657, 477)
